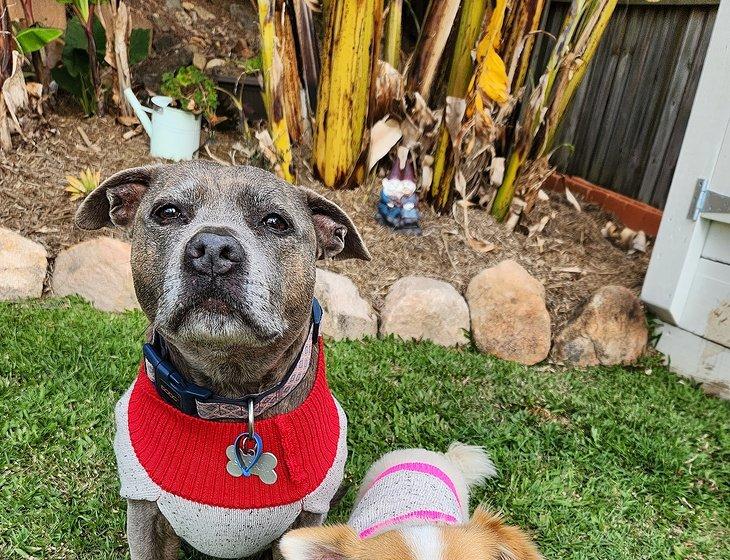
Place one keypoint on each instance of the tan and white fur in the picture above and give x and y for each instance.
(484, 536)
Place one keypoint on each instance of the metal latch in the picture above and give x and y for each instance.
(706, 201)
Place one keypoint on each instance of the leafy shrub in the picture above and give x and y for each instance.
(32, 39)
(81, 186)
(74, 73)
(193, 91)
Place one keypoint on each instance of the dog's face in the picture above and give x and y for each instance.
(485, 537)
(222, 255)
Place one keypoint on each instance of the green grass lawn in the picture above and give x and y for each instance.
(615, 463)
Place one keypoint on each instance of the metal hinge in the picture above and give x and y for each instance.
(706, 201)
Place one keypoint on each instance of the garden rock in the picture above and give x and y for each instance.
(99, 271)
(199, 60)
(346, 314)
(610, 329)
(418, 308)
(214, 63)
(508, 314)
(22, 266)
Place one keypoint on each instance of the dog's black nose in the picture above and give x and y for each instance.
(213, 254)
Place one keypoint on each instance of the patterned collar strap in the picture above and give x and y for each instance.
(198, 401)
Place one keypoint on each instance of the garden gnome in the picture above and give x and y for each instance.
(398, 205)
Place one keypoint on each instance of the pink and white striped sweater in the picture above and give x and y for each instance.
(414, 487)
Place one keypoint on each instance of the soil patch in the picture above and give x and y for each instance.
(570, 256)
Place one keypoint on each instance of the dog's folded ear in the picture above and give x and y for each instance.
(330, 542)
(337, 236)
(116, 200)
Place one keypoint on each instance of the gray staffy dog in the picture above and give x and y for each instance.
(223, 261)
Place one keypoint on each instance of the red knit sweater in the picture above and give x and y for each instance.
(186, 456)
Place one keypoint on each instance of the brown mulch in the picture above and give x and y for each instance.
(32, 178)
(32, 181)
(574, 261)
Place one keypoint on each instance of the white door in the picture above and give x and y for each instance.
(688, 281)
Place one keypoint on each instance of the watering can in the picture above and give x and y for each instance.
(174, 134)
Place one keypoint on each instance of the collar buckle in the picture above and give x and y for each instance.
(172, 386)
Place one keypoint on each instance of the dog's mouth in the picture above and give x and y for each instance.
(214, 313)
(216, 305)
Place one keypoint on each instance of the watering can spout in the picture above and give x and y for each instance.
(139, 110)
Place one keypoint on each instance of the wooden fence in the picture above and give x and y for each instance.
(627, 119)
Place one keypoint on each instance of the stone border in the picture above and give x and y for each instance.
(504, 310)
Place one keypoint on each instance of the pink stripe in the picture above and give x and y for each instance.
(420, 514)
(423, 468)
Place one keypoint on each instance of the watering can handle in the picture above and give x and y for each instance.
(139, 110)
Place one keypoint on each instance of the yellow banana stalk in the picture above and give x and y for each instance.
(424, 65)
(587, 44)
(272, 72)
(520, 26)
(460, 73)
(291, 85)
(349, 55)
(581, 33)
(391, 50)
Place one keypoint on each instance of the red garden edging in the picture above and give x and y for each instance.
(632, 213)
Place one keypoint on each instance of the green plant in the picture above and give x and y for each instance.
(81, 186)
(193, 91)
(74, 73)
(544, 108)
(248, 66)
(32, 39)
(84, 12)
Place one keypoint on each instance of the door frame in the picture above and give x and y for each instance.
(680, 239)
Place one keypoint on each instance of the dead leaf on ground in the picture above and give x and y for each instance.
(639, 243)
(538, 226)
(132, 133)
(626, 237)
(609, 230)
(571, 198)
(127, 121)
(472, 241)
(383, 136)
(568, 269)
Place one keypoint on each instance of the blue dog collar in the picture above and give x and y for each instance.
(185, 396)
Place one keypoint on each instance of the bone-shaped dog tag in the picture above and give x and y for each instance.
(263, 468)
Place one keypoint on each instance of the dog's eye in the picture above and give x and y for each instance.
(275, 223)
(167, 213)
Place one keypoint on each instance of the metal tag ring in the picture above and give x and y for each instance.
(251, 430)
(239, 447)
